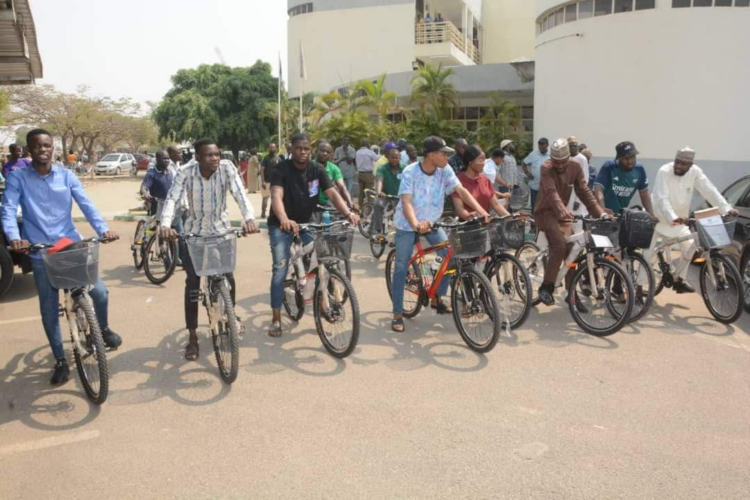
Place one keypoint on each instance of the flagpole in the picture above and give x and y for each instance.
(302, 76)
(281, 136)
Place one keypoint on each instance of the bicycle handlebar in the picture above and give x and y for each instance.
(237, 232)
(43, 246)
(372, 193)
(321, 227)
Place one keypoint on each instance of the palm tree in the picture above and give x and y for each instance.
(502, 121)
(435, 94)
(373, 94)
(331, 103)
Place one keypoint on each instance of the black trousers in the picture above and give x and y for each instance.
(192, 285)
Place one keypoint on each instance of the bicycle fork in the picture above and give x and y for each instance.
(72, 320)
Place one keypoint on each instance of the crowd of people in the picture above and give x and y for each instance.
(309, 175)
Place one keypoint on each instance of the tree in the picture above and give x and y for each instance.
(433, 92)
(373, 94)
(227, 104)
(502, 121)
(4, 107)
(140, 132)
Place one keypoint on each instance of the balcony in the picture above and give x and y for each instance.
(443, 43)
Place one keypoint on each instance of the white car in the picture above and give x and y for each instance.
(115, 163)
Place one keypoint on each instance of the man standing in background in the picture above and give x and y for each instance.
(532, 167)
(366, 159)
(15, 161)
(457, 160)
(575, 204)
(343, 157)
(268, 166)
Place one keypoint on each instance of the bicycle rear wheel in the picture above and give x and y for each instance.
(513, 286)
(723, 297)
(160, 259)
(92, 361)
(377, 245)
(137, 248)
(365, 219)
(643, 284)
(338, 325)
(533, 260)
(294, 303)
(227, 339)
(413, 288)
(594, 308)
(475, 310)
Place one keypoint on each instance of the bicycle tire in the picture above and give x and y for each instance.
(621, 318)
(527, 255)
(168, 266)
(365, 218)
(322, 318)
(138, 253)
(377, 246)
(227, 342)
(521, 286)
(487, 300)
(296, 309)
(745, 274)
(641, 307)
(732, 274)
(416, 284)
(90, 334)
(6, 271)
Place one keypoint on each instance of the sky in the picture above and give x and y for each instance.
(131, 48)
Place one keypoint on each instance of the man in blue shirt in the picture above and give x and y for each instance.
(155, 187)
(532, 167)
(618, 181)
(16, 160)
(45, 194)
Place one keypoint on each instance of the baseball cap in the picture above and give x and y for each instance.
(625, 149)
(402, 143)
(389, 145)
(434, 143)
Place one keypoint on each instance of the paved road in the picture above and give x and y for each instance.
(660, 410)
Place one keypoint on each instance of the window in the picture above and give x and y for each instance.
(602, 7)
(585, 9)
(734, 193)
(527, 112)
(724, 3)
(472, 126)
(559, 17)
(301, 9)
(703, 3)
(742, 3)
(570, 13)
(645, 4)
(472, 113)
(678, 4)
(623, 6)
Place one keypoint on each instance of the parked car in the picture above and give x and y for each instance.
(143, 160)
(738, 195)
(9, 260)
(115, 163)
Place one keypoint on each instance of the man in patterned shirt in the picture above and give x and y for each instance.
(206, 183)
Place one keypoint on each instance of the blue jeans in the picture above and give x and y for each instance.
(49, 301)
(404, 247)
(281, 252)
(534, 195)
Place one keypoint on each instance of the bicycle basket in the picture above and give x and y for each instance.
(334, 244)
(468, 242)
(213, 255)
(608, 228)
(508, 233)
(637, 229)
(73, 268)
(519, 198)
(716, 235)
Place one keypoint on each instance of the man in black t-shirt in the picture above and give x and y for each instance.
(295, 186)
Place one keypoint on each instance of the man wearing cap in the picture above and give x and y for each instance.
(673, 195)
(457, 160)
(532, 167)
(383, 160)
(561, 179)
(423, 189)
(365, 158)
(619, 179)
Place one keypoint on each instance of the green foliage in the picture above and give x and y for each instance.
(374, 95)
(502, 121)
(433, 93)
(4, 107)
(227, 104)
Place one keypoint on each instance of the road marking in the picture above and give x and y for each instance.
(20, 320)
(47, 442)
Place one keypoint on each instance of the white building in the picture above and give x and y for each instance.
(349, 40)
(661, 73)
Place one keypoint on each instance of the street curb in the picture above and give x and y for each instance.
(133, 218)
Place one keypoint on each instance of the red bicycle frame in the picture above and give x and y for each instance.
(418, 257)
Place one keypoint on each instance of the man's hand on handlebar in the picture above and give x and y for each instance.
(19, 245)
(423, 227)
(607, 215)
(250, 227)
(168, 233)
(733, 213)
(681, 221)
(567, 216)
(353, 218)
(289, 226)
(110, 236)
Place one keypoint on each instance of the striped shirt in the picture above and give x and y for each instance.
(207, 199)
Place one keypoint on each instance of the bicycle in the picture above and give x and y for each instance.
(472, 298)
(380, 227)
(332, 293)
(74, 270)
(158, 257)
(717, 271)
(365, 213)
(333, 216)
(214, 258)
(593, 289)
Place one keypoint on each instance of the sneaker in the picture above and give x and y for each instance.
(682, 286)
(545, 295)
(61, 373)
(111, 339)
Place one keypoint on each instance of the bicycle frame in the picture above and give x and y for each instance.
(66, 307)
(666, 256)
(320, 271)
(418, 258)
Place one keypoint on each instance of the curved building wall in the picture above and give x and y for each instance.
(663, 78)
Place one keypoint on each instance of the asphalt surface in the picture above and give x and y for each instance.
(660, 410)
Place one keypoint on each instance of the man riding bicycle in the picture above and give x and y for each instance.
(295, 186)
(619, 179)
(673, 195)
(388, 176)
(206, 183)
(424, 186)
(561, 177)
(45, 194)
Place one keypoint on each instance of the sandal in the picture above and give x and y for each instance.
(192, 351)
(275, 330)
(441, 307)
(240, 326)
(397, 325)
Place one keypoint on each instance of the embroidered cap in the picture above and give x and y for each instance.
(560, 150)
(685, 154)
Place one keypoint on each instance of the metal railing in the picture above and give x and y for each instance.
(446, 32)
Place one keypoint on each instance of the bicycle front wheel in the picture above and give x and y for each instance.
(338, 323)
(475, 310)
(533, 260)
(413, 288)
(160, 259)
(643, 284)
(377, 246)
(227, 338)
(597, 307)
(365, 219)
(140, 234)
(513, 286)
(723, 293)
(91, 361)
